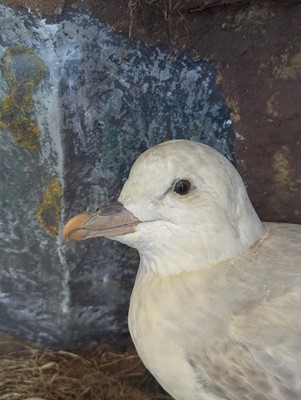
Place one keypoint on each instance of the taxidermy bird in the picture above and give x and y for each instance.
(215, 312)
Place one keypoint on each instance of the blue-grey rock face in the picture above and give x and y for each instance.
(77, 106)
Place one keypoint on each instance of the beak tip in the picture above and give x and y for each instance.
(72, 227)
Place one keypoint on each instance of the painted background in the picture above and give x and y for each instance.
(77, 107)
(79, 102)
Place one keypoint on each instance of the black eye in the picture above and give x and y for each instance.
(182, 187)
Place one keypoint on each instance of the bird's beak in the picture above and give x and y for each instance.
(111, 220)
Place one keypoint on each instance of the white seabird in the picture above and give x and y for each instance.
(215, 312)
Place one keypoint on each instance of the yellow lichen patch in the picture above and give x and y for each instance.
(283, 170)
(253, 14)
(218, 78)
(21, 64)
(270, 106)
(22, 70)
(287, 67)
(234, 110)
(25, 133)
(285, 186)
(16, 103)
(48, 212)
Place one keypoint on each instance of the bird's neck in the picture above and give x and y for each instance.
(198, 249)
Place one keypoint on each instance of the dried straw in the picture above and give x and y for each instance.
(61, 375)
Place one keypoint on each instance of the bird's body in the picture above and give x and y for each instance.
(215, 312)
(226, 315)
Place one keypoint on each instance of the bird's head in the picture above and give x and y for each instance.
(184, 206)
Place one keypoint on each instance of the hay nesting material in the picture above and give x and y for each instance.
(61, 375)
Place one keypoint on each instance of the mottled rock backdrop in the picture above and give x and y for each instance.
(78, 104)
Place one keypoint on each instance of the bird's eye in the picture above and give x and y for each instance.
(182, 187)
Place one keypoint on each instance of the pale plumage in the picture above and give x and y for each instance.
(216, 308)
